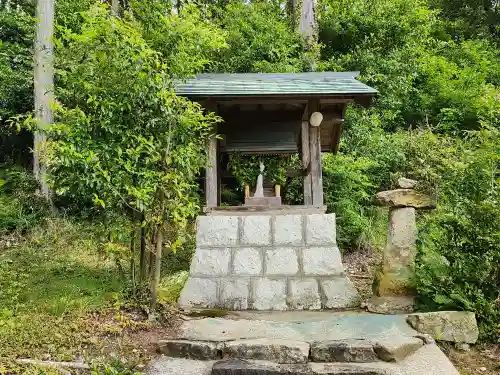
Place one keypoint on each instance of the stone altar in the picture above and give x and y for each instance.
(268, 261)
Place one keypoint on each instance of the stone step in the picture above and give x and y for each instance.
(248, 367)
(395, 348)
(428, 360)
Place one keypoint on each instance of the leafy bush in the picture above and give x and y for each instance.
(260, 40)
(459, 245)
(20, 207)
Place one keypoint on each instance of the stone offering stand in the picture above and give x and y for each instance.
(270, 260)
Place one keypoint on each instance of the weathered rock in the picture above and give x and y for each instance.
(343, 351)
(453, 326)
(235, 293)
(269, 294)
(406, 183)
(288, 230)
(322, 261)
(199, 292)
(179, 366)
(243, 367)
(427, 339)
(202, 350)
(390, 305)
(217, 230)
(304, 295)
(404, 198)
(397, 348)
(352, 369)
(281, 261)
(320, 229)
(247, 262)
(256, 230)
(462, 347)
(399, 255)
(340, 293)
(211, 262)
(279, 351)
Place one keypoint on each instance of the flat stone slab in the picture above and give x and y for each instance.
(189, 349)
(279, 351)
(297, 326)
(428, 360)
(352, 350)
(244, 367)
(397, 348)
(390, 305)
(454, 326)
(179, 366)
(405, 198)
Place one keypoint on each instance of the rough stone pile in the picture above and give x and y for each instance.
(268, 262)
(399, 255)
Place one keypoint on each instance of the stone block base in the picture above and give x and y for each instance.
(268, 262)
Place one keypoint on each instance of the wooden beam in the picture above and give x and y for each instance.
(288, 99)
(211, 179)
(306, 159)
(315, 152)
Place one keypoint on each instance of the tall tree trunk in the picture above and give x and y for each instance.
(293, 11)
(43, 86)
(143, 262)
(133, 255)
(307, 24)
(115, 8)
(155, 282)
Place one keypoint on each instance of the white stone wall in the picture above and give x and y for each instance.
(268, 262)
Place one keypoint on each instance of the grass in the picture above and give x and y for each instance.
(49, 282)
(62, 299)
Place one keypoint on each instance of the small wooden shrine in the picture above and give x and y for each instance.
(276, 114)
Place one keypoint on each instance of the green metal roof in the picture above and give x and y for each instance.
(274, 84)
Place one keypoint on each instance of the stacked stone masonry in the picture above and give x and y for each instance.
(268, 262)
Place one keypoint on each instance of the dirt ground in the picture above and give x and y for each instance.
(483, 360)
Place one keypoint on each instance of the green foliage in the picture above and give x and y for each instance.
(121, 136)
(347, 190)
(16, 77)
(187, 42)
(246, 169)
(260, 39)
(460, 243)
(114, 367)
(470, 18)
(20, 207)
(422, 73)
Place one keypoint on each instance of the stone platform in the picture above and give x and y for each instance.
(300, 343)
(269, 261)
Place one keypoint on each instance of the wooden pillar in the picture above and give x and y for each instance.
(306, 158)
(211, 179)
(315, 151)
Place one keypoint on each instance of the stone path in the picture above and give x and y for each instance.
(300, 343)
(298, 326)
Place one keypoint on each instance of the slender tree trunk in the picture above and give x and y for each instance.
(143, 254)
(115, 8)
(43, 86)
(307, 24)
(151, 260)
(293, 10)
(156, 279)
(133, 256)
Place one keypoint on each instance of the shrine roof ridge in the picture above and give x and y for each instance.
(274, 84)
